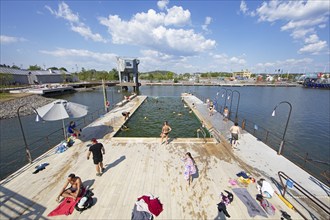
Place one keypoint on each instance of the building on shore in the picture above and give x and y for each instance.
(244, 74)
(10, 76)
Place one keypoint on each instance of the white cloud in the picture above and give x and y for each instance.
(87, 33)
(285, 65)
(226, 60)
(158, 31)
(162, 4)
(79, 27)
(206, 23)
(243, 7)
(314, 47)
(177, 16)
(300, 17)
(77, 53)
(64, 12)
(301, 33)
(292, 10)
(245, 10)
(8, 39)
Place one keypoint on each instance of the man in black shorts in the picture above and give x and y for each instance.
(97, 149)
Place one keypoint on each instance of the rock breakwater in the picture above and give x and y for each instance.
(8, 109)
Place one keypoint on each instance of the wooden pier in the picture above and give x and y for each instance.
(142, 166)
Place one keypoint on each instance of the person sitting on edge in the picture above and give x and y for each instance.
(126, 115)
(74, 190)
(72, 130)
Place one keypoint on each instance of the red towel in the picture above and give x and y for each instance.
(154, 205)
(65, 208)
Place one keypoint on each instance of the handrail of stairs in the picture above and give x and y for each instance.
(301, 189)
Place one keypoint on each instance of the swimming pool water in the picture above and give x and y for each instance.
(148, 119)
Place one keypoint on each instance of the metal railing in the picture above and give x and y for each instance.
(201, 130)
(16, 159)
(314, 166)
(302, 190)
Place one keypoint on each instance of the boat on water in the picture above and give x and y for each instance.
(314, 80)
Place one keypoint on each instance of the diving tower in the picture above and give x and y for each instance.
(128, 73)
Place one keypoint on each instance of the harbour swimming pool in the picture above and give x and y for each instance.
(148, 119)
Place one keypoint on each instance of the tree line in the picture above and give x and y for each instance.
(153, 76)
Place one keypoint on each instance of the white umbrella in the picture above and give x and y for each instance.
(60, 110)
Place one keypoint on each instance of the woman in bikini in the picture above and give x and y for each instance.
(165, 131)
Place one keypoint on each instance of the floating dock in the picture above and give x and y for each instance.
(42, 90)
(142, 166)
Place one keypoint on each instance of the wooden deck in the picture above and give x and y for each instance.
(134, 167)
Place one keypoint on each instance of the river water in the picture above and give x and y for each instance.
(307, 132)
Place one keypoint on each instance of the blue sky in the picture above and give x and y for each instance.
(179, 36)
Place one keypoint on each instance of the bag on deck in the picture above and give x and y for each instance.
(85, 202)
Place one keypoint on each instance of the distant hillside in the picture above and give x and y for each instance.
(162, 72)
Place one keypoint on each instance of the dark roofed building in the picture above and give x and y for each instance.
(23, 77)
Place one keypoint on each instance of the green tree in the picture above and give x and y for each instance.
(35, 67)
(53, 68)
(62, 68)
(6, 79)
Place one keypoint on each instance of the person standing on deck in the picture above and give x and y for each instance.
(165, 131)
(234, 130)
(211, 109)
(97, 149)
(225, 114)
(189, 167)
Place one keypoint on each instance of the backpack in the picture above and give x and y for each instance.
(85, 202)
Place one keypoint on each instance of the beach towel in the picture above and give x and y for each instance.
(154, 205)
(251, 204)
(65, 208)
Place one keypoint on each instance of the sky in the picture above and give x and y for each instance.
(183, 36)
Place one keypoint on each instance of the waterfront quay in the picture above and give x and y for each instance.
(142, 166)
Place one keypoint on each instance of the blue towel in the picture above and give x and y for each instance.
(242, 174)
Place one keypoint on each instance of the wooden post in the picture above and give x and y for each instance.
(106, 107)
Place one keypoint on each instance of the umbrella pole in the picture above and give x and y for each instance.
(64, 133)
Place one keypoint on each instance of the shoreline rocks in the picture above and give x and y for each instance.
(8, 109)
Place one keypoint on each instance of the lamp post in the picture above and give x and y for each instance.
(223, 92)
(28, 154)
(239, 97)
(231, 100)
(286, 126)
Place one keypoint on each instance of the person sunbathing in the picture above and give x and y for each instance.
(74, 190)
